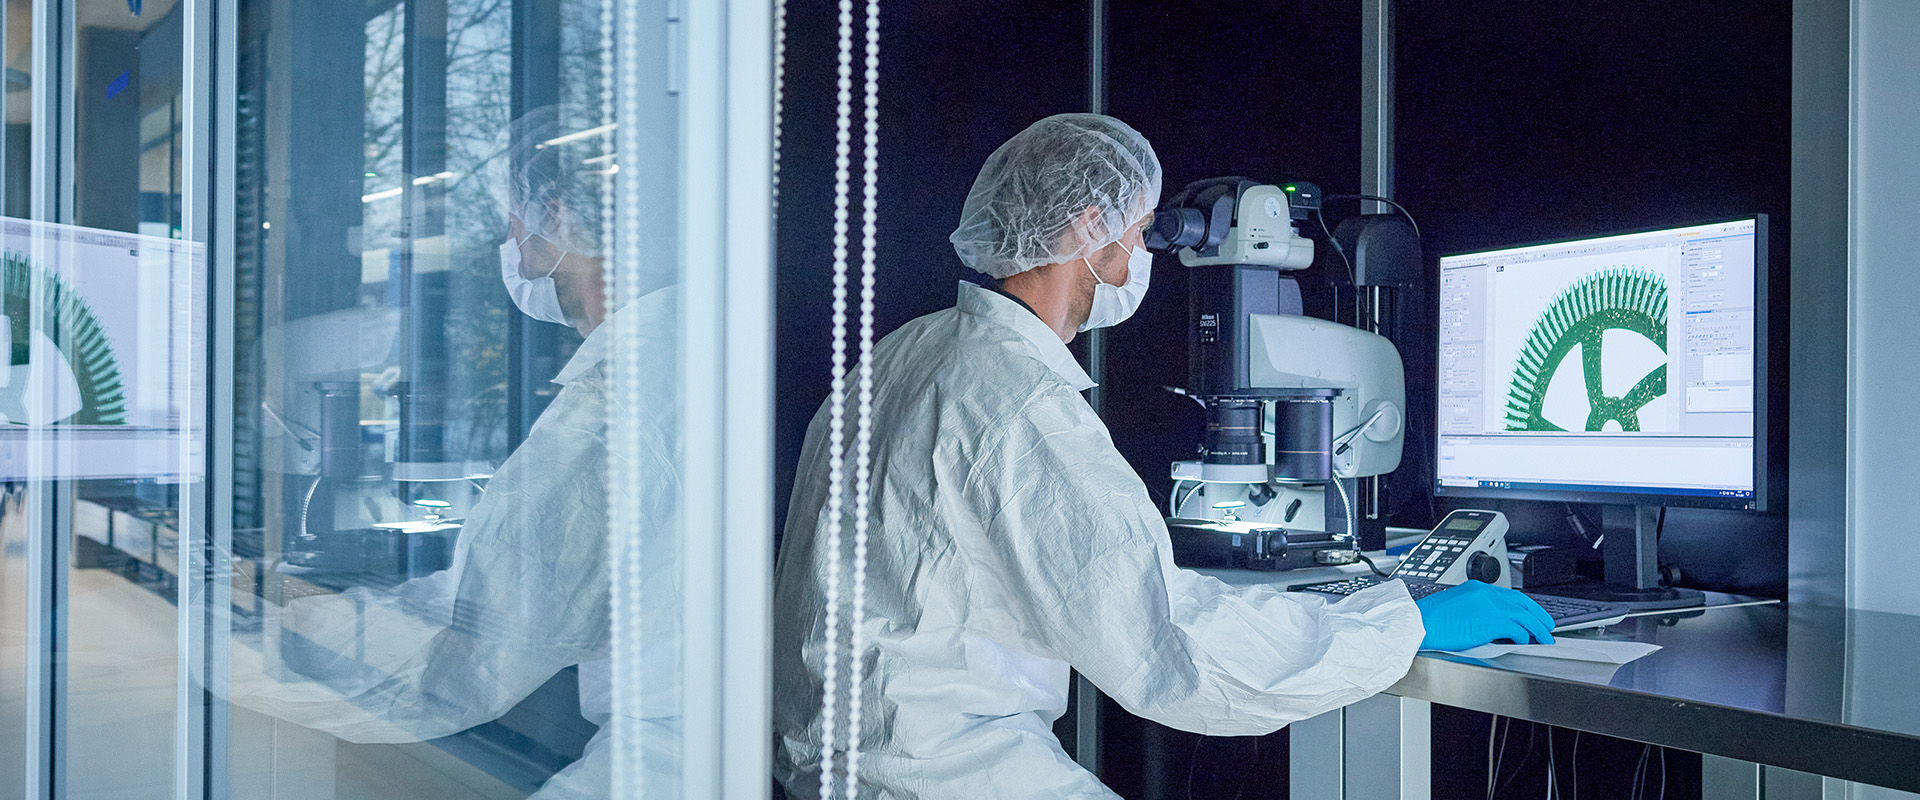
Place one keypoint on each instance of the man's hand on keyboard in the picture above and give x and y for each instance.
(1475, 613)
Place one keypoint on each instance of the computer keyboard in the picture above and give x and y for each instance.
(1419, 589)
(1568, 613)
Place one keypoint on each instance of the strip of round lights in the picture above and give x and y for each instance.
(862, 476)
(620, 204)
(779, 91)
(837, 489)
(836, 414)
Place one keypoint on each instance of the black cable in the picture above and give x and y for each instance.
(1574, 760)
(1320, 215)
(1500, 760)
(1663, 773)
(1493, 726)
(1640, 773)
(1369, 562)
(1533, 729)
(1553, 776)
(1579, 523)
(1353, 279)
(1659, 529)
(1378, 199)
(1244, 774)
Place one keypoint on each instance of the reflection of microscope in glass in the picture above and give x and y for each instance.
(374, 499)
(365, 519)
(1297, 408)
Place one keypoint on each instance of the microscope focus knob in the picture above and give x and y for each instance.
(1483, 567)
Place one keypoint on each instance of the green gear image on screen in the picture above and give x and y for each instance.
(1595, 360)
(74, 342)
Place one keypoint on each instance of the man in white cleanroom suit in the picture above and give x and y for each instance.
(527, 594)
(1011, 542)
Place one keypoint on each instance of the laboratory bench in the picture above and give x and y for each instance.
(1772, 695)
(1821, 690)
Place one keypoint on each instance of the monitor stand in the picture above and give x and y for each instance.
(1633, 570)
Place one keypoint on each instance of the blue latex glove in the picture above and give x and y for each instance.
(1475, 613)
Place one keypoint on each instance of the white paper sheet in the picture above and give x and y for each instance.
(1600, 651)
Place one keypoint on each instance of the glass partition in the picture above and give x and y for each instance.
(363, 356)
(19, 673)
(455, 405)
(102, 447)
(420, 515)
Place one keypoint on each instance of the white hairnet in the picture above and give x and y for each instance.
(1025, 208)
(553, 188)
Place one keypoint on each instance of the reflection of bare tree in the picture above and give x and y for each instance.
(384, 133)
(386, 94)
(478, 108)
(479, 103)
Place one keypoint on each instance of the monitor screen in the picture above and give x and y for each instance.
(1619, 368)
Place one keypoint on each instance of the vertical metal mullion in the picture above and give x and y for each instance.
(190, 639)
(224, 308)
(725, 81)
(535, 80)
(1097, 103)
(1376, 169)
(747, 558)
(1086, 696)
(1376, 101)
(67, 70)
(6, 164)
(48, 552)
(425, 362)
(208, 94)
(195, 227)
(703, 351)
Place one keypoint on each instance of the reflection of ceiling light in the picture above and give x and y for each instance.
(613, 170)
(597, 159)
(443, 176)
(382, 195)
(419, 526)
(577, 136)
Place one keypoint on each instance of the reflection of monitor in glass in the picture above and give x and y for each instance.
(104, 340)
(1626, 369)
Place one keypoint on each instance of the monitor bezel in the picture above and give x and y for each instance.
(1762, 499)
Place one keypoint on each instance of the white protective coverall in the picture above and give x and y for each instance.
(1011, 542)
(527, 594)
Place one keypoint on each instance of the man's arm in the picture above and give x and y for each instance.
(1079, 544)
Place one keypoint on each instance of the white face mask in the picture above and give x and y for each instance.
(1112, 305)
(536, 297)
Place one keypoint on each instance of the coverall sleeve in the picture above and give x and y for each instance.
(526, 596)
(1084, 554)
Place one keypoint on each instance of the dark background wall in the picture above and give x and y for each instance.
(1517, 122)
(1525, 122)
(956, 80)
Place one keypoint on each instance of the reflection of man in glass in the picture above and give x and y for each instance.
(527, 594)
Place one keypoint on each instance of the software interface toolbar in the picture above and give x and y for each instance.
(1617, 364)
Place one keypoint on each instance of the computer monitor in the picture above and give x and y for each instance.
(1626, 369)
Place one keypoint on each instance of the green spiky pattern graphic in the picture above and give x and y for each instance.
(71, 323)
(1615, 299)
